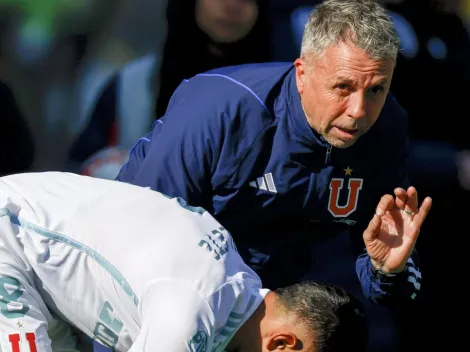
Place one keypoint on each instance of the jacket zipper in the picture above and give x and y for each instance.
(328, 153)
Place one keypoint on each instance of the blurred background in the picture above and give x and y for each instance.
(81, 81)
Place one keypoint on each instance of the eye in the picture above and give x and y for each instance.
(342, 86)
(342, 89)
(377, 89)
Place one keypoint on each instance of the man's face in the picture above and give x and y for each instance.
(226, 21)
(343, 92)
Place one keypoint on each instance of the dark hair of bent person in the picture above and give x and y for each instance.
(335, 317)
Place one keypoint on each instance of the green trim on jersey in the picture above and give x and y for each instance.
(103, 262)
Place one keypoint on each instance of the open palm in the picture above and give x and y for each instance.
(394, 229)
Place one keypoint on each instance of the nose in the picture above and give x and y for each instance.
(357, 105)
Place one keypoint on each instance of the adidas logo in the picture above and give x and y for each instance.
(266, 183)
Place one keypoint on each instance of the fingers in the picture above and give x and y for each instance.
(406, 200)
(420, 216)
(412, 200)
(401, 197)
(386, 203)
(373, 229)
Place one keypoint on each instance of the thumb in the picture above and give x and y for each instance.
(372, 231)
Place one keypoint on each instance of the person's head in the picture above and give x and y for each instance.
(308, 317)
(226, 21)
(343, 75)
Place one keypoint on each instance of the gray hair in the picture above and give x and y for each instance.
(363, 23)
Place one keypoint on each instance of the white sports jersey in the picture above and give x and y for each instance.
(125, 265)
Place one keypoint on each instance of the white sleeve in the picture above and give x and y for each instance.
(174, 318)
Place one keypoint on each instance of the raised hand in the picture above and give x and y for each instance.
(394, 229)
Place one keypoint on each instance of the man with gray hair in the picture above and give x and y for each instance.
(305, 164)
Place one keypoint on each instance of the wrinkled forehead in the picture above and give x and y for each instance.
(348, 61)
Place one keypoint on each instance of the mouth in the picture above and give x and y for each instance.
(347, 132)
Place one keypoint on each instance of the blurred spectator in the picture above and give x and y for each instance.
(123, 112)
(139, 30)
(16, 144)
(32, 30)
(42, 47)
(202, 35)
(206, 34)
(436, 55)
(287, 20)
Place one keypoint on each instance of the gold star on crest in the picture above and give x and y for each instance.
(348, 171)
(20, 324)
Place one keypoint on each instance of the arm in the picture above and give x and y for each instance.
(176, 158)
(137, 154)
(175, 318)
(389, 271)
(386, 289)
(180, 156)
(403, 279)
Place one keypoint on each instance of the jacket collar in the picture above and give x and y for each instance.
(297, 120)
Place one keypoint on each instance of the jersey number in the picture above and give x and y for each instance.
(10, 291)
(108, 328)
(16, 338)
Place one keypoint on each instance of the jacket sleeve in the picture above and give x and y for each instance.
(394, 173)
(179, 156)
(389, 289)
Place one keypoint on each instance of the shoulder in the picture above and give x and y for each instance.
(258, 81)
(223, 98)
(248, 86)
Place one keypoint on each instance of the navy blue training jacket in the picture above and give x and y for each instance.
(236, 142)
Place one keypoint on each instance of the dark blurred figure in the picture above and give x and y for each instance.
(206, 34)
(436, 56)
(16, 143)
(202, 35)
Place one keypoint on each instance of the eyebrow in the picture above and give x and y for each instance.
(344, 79)
(348, 80)
(381, 82)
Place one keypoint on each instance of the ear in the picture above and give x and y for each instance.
(300, 74)
(282, 342)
